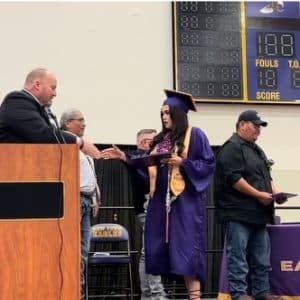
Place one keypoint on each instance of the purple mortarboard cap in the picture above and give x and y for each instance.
(180, 99)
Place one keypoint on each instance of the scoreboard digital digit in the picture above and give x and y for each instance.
(238, 52)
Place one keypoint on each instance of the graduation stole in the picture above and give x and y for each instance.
(177, 183)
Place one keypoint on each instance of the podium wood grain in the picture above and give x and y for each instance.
(40, 258)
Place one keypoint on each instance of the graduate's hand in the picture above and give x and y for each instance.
(174, 161)
(113, 153)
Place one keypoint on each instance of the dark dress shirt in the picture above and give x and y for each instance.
(238, 159)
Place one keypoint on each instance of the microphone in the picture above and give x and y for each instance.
(52, 116)
(50, 113)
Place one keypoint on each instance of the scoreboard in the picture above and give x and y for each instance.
(238, 52)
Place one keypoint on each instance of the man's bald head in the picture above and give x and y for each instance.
(42, 84)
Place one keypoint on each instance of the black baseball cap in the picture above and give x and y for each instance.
(252, 116)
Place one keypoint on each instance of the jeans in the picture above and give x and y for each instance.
(85, 224)
(248, 251)
(151, 286)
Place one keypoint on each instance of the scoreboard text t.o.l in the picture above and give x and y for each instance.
(238, 52)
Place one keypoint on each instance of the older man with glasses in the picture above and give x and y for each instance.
(72, 120)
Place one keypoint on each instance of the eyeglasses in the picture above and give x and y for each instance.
(79, 120)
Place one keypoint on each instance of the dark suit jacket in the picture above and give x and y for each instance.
(24, 120)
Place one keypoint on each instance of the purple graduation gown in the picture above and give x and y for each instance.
(184, 254)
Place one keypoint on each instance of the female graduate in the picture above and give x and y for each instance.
(175, 228)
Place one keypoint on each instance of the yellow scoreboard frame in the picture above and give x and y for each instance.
(237, 52)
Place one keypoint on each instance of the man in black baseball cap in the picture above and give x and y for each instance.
(244, 204)
(252, 116)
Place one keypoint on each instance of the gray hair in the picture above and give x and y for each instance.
(142, 132)
(145, 131)
(66, 116)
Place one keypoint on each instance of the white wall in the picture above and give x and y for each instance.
(112, 60)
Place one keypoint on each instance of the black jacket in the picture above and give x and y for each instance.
(237, 159)
(24, 120)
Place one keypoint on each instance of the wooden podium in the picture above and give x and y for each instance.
(39, 256)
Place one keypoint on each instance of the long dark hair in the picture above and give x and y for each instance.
(177, 132)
